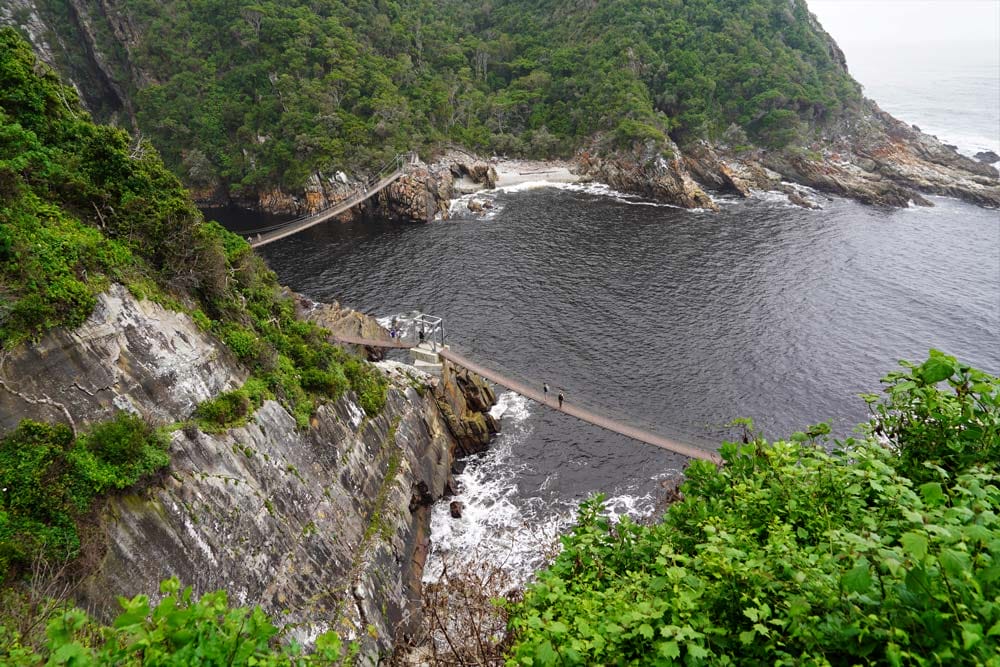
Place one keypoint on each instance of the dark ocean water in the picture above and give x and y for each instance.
(679, 321)
(673, 320)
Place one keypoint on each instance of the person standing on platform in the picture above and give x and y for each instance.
(561, 397)
(545, 391)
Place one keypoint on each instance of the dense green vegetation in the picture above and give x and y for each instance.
(793, 555)
(178, 631)
(252, 94)
(50, 479)
(83, 204)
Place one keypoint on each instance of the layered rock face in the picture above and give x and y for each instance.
(426, 191)
(649, 171)
(464, 400)
(325, 527)
(129, 355)
(878, 160)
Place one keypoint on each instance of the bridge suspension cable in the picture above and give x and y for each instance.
(528, 391)
(386, 174)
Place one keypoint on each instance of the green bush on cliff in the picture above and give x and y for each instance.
(49, 479)
(791, 554)
(83, 205)
(180, 629)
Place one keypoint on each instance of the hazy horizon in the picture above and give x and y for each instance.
(911, 21)
(932, 63)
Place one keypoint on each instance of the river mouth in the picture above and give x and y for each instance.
(674, 321)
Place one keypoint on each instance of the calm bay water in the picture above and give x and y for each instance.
(673, 320)
(680, 321)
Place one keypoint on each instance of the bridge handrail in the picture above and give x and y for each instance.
(395, 164)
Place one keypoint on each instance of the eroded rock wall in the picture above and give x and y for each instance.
(324, 527)
(129, 355)
(464, 400)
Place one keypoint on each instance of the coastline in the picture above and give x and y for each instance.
(511, 172)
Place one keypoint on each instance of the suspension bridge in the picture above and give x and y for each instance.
(424, 336)
(385, 177)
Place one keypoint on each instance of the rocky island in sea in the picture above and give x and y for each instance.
(168, 410)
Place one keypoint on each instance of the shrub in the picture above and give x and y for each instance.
(49, 479)
(951, 428)
(226, 410)
(331, 383)
(370, 385)
(242, 342)
(124, 450)
(631, 131)
(790, 554)
(179, 630)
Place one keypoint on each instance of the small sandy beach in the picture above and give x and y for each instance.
(515, 172)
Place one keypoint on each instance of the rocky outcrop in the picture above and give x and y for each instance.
(726, 173)
(476, 170)
(419, 196)
(989, 157)
(342, 321)
(320, 191)
(129, 355)
(426, 191)
(324, 527)
(464, 400)
(888, 164)
(648, 170)
(873, 158)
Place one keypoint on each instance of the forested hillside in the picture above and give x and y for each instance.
(248, 95)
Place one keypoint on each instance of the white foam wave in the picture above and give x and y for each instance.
(511, 407)
(603, 190)
(459, 205)
(499, 526)
(627, 505)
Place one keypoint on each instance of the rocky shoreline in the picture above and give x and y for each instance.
(879, 161)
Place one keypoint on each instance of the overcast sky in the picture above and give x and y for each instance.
(909, 20)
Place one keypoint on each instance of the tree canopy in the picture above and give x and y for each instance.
(251, 94)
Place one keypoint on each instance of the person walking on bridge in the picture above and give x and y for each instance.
(561, 397)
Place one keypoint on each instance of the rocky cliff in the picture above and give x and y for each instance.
(861, 153)
(324, 527)
(875, 159)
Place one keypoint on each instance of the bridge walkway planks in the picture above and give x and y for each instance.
(583, 414)
(580, 413)
(326, 214)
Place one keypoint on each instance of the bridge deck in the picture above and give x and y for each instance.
(580, 413)
(326, 214)
(583, 414)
